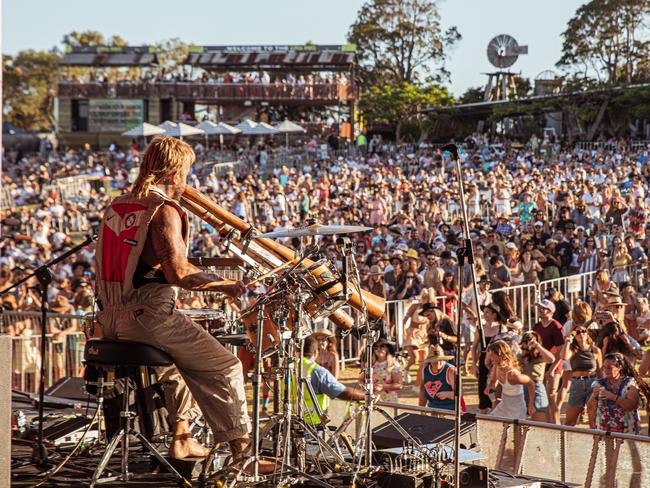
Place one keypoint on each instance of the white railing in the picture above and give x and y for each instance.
(64, 352)
(67, 351)
(587, 457)
(611, 146)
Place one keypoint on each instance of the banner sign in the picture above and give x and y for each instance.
(110, 115)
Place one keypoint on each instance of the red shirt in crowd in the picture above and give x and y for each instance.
(551, 337)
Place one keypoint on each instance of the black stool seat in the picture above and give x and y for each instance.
(124, 353)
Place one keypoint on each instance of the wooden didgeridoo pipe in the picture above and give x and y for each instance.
(195, 202)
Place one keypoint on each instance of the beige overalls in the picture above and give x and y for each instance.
(147, 314)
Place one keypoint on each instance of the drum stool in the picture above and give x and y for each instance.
(125, 359)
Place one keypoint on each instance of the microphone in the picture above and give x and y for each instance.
(452, 148)
(345, 245)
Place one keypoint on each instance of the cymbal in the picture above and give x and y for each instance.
(315, 230)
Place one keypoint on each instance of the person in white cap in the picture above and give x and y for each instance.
(551, 335)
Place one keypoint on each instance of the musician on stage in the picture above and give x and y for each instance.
(141, 257)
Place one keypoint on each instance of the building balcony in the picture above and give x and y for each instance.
(308, 94)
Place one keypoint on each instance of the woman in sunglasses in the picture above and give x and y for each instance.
(614, 403)
(585, 359)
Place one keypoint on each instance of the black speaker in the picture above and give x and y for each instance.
(71, 388)
(474, 477)
(426, 430)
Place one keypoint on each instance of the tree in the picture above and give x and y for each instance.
(401, 41)
(398, 104)
(473, 95)
(85, 38)
(172, 52)
(607, 40)
(29, 89)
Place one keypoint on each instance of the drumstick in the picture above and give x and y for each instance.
(272, 272)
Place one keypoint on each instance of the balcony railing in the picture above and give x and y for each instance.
(317, 92)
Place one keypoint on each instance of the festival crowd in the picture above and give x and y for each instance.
(538, 211)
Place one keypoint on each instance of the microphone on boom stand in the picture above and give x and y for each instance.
(345, 246)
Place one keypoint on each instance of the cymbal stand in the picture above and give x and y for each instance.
(290, 421)
(363, 446)
(293, 429)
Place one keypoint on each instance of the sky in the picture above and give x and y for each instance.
(41, 24)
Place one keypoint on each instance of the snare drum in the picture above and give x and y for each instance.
(211, 320)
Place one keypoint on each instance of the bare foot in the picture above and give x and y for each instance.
(184, 446)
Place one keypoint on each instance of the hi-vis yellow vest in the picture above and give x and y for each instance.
(310, 415)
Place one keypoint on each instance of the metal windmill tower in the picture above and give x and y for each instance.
(502, 52)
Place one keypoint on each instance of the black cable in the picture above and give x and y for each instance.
(55, 470)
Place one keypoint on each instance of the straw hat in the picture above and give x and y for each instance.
(323, 332)
(615, 301)
(60, 304)
(436, 353)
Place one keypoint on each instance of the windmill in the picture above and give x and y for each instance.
(502, 52)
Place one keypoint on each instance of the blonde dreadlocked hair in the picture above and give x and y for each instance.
(164, 156)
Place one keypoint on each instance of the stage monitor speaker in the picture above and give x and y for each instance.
(474, 477)
(426, 430)
(70, 388)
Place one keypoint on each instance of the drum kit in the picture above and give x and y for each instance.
(273, 329)
(300, 287)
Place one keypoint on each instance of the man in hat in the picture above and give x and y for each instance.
(438, 385)
(326, 358)
(323, 384)
(551, 335)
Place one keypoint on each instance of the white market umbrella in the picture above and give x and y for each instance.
(144, 130)
(287, 127)
(180, 129)
(246, 125)
(261, 129)
(220, 129)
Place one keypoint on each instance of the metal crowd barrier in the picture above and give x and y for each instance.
(64, 352)
(68, 187)
(587, 457)
(67, 352)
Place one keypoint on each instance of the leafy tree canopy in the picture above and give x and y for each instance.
(608, 41)
(398, 104)
(401, 41)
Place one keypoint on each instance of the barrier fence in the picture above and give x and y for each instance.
(553, 451)
(66, 350)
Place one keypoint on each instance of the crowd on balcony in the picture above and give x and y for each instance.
(538, 211)
(164, 75)
(257, 84)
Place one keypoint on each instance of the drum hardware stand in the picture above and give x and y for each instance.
(364, 441)
(290, 419)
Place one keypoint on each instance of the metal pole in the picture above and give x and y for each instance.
(257, 381)
(465, 252)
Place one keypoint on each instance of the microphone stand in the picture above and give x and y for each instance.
(465, 252)
(44, 277)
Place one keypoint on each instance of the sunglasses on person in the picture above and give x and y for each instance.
(581, 331)
(615, 358)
